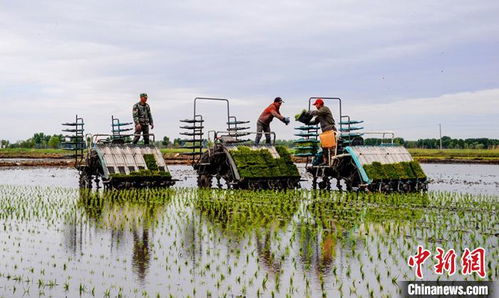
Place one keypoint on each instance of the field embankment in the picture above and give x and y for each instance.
(59, 158)
(482, 156)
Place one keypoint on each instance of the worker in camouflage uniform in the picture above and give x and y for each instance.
(142, 118)
(263, 123)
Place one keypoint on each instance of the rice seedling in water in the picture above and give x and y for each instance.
(227, 242)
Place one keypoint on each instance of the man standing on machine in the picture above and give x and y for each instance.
(263, 123)
(324, 117)
(142, 118)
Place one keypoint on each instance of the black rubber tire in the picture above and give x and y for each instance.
(85, 181)
(204, 181)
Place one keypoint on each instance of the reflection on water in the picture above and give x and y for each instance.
(124, 216)
(141, 256)
(267, 220)
(207, 242)
(463, 178)
(269, 260)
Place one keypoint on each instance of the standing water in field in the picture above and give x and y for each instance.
(60, 241)
(474, 179)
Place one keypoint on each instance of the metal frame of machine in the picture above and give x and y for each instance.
(239, 163)
(214, 157)
(111, 159)
(348, 165)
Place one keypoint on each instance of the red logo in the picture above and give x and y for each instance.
(446, 262)
(473, 261)
(418, 260)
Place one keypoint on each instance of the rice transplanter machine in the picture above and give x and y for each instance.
(386, 167)
(235, 162)
(113, 160)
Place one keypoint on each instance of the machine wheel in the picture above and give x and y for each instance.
(204, 180)
(274, 184)
(325, 183)
(253, 185)
(85, 181)
(291, 183)
(349, 184)
(338, 184)
(314, 182)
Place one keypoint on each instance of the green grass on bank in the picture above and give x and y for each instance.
(485, 154)
(32, 152)
(174, 150)
(470, 154)
(19, 152)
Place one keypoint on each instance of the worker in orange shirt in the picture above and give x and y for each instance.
(263, 123)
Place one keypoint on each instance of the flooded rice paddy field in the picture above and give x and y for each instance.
(463, 178)
(56, 240)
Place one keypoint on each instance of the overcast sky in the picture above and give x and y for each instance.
(398, 65)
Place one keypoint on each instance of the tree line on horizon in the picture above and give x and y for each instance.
(447, 143)
(43, 141)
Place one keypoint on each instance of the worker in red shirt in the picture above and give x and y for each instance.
(263, 123)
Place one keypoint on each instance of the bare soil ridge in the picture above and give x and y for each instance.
(58, 158)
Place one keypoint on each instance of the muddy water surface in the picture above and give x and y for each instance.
(463, 178)
(59, 241)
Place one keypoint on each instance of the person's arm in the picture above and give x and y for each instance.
(150, 116)
(276, 114)
(135, 114)
(314, 112)
(315, 120)
(320, 112)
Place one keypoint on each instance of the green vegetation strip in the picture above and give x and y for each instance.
(401, 170)
(245, 211)
(150, 161)
(467, 154)
(142, 174)
(259, 163)
(151, 171)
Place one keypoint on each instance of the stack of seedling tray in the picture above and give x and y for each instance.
(308, 142)
(349, 132)
(193, 130)
(236, 131)
(74, 142)
(118, 128)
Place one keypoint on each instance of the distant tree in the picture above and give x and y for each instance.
(411, 144)
(287, 143)
(54, 141)
(446, 141)
(399, 141)
(39, 139)
(177, 142)
(4, 144)
(29, 143)
(166, 141)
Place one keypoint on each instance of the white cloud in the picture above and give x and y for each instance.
(464, 114)
(59, 58)
(482, 102)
